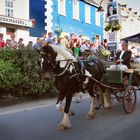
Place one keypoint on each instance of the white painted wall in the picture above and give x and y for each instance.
(21, 11)
(2, 7)
(48, 14)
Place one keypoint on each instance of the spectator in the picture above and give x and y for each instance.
(65, 42)
(30, 44)
(7, 44)
(38, 44)
(85, 48)
(55, 42)
(20, 44)
(50, 37)
(43, 36)
(2, 43)
(134, 53)
(13, 43)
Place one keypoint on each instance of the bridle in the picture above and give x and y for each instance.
(69, 67)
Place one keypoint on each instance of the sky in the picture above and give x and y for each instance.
(134, 4)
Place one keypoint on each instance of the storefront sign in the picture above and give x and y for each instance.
(112, 37)
(15, 21)
(112, 46)
(112, 11)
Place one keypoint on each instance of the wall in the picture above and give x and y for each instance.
(20, 11)
(37, 12)
(68, 24)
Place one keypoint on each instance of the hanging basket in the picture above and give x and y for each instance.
(113, 27)
(107, 27)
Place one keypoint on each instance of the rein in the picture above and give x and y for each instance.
(43, 53)
(67, 67)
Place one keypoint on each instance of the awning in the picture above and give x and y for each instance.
(134, 38)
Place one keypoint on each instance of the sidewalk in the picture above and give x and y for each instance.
(26, 106)
(31, 105)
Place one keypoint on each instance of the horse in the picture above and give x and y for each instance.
(71, 75)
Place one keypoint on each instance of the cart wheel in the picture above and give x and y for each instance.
(129, 100)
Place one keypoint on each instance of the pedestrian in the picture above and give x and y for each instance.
(2, 43)
(30, 44)
(49, 37)
(13, 42)
(20, 44)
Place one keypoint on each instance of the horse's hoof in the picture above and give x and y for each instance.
(107, 107)
(71, 113)
(96, 108)
(78, 101)
(90, 116)
(63, 127)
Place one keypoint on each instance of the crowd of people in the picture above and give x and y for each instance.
(12, 43)
(77, 45)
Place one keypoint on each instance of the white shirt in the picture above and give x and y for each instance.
(122, 52)
(83, 48)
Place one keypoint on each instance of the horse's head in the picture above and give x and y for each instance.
(53, 59)
(47, 61)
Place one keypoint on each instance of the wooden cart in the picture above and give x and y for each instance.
(123, 91)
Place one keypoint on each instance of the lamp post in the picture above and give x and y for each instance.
(100, 8)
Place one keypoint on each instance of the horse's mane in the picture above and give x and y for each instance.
(63, 54)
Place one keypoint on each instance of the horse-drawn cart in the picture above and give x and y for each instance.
(123, 86)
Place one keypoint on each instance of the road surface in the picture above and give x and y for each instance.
(38, 121)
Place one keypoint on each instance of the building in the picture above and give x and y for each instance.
(130, 22)
(37, 12)
(69, 16)
(14, 18)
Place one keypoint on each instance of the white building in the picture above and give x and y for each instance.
(130, 22)
(14, 18)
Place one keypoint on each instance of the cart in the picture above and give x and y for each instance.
(123, 89)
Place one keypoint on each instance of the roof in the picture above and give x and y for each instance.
(134, 38)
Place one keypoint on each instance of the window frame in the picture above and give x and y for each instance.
(97, 18)
(75, 9)
(9, 8)
(87, 13)
(62, 7)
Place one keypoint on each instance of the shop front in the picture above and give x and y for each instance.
(20, 27)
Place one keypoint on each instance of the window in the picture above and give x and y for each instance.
(76, 9)
(97, 18)
(87, 13)
(62, 7)
(9, 8)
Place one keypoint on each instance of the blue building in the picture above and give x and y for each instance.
(37, 12)
(70, 16)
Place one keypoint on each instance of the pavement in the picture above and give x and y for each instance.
(26, 106)
(31, 105)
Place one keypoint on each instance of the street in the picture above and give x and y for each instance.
(41, 123)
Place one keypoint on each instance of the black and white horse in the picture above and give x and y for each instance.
(71, 76)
